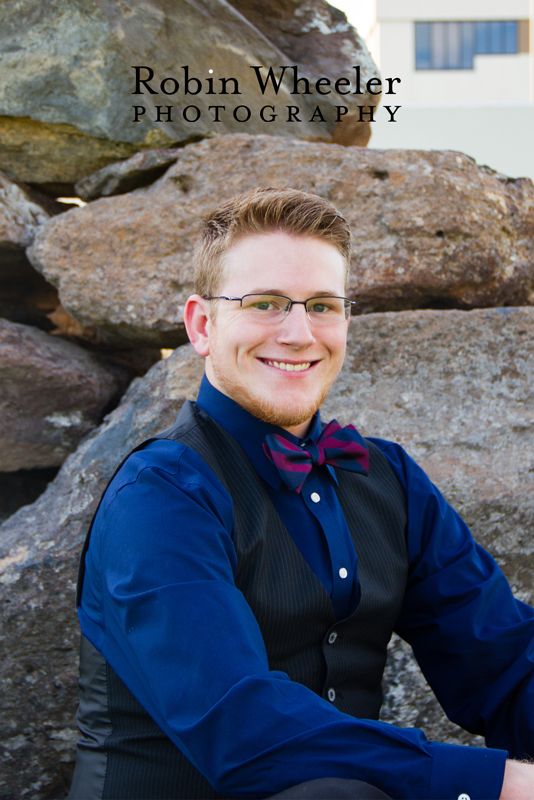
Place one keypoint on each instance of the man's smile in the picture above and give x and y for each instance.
(289, 366)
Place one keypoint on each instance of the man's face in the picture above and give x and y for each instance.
(247, 359)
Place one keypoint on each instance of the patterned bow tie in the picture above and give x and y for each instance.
(337, 446)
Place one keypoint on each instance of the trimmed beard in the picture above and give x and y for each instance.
(264, 410)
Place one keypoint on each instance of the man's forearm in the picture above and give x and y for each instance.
(518, 783)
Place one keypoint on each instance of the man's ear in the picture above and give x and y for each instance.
(196, 320)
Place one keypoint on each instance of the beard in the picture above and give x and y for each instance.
(267, 410)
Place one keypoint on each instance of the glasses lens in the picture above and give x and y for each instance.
(264, 307)
(328, 310)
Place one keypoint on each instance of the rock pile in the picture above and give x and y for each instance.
(66, 102)
(440, 356)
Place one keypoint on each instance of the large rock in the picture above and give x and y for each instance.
(25, 296)
(53, 394)
(121, 177)
(430, 229)
(55, 155)
(317, 36)
(456, 388)
(66, 80)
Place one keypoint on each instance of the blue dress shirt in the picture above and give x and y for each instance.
(159, 602)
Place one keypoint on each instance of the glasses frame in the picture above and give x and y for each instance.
(290, 303)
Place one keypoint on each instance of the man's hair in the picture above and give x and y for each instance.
(262, 211)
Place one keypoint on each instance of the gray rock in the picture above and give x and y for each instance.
(53, 394)
(25, 296)
(66, 81)
(123, 176)
(456, 388)
(316, 35)
(430, 229)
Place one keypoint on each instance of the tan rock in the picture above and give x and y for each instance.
(455, 387)
(56, 155)
(431, 229)
(53, 394)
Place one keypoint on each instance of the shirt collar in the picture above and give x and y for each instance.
(249, 431)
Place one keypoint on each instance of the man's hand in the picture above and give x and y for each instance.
(518, 781)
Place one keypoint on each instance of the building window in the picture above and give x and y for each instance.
(453, 45)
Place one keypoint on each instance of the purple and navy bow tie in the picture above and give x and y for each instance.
(337, 446)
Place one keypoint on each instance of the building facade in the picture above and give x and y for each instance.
(467, 77)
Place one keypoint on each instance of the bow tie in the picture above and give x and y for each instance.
(337, 446)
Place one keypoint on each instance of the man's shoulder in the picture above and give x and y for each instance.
(170, 460)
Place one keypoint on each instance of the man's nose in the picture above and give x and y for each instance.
(296, 328)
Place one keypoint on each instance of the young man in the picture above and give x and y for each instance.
(245, 571)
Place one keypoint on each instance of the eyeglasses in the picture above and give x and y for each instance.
(271, 308)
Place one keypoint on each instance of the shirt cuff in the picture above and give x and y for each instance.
(467, 773)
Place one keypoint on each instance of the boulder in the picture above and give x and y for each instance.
(67, 80)
(316, 36)
(142, 169)
(53, 394)
(454, 387)
(431, 229)
(54, 155)
(25, 295)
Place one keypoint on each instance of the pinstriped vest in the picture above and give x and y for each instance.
(124, 755)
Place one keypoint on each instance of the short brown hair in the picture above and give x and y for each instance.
(260, 211)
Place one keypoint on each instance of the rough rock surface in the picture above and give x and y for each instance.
(431, 229)
(456, 388)
(53, 394)
(142, 169)
(316, 36)
(66, 78)
(56, 155)
(25, 296)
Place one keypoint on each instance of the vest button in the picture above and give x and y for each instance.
(343, 573)
(464, 796)
(331, 694)
(315, 497)
(332, 638)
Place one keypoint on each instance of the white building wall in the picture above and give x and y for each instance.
(428, 10)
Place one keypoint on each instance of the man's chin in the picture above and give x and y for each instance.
(286, 414)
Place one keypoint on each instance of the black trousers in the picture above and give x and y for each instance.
(331, 789)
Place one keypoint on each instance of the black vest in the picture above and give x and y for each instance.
(124, 755)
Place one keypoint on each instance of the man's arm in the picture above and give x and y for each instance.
(473, 640)
(161, 605)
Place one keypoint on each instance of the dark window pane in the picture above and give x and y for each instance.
(495, 46)
(439, 43)
(468, 44)
(422, 46)
(482, 37)
(511, 37)
(454, 54)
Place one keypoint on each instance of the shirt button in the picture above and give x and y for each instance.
(331, 694)
(332, 638)
(315, 497)
(343, 573)
(463, 797)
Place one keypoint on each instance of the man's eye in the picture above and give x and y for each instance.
(320, 308)
(263, 305)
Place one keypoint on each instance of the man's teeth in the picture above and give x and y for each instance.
(290, 367)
